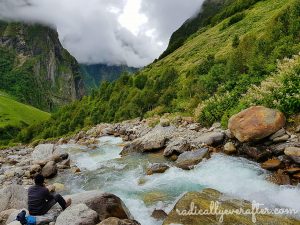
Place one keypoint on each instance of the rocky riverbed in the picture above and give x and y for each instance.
(170, 146)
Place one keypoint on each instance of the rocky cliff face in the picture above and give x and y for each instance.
(35, 68)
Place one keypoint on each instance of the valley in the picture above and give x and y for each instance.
(214, 121)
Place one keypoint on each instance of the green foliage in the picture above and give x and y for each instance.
(95, 74)
(211, 72)
(212, 13)
(256, 59)
(235, 41)
(233, 20)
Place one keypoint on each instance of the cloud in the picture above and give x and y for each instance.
(132, 32)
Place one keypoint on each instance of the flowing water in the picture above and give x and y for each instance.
(103, 169)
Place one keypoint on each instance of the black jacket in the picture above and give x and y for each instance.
(38, 197)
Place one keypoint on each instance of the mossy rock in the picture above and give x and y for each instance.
(203, 200)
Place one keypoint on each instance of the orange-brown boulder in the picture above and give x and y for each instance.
(256, 123)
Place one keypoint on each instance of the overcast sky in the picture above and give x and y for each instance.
(132, 32)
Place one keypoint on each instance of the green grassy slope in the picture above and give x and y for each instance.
(206, 77)
(14, 113)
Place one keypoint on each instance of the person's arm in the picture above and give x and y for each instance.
(48, 195)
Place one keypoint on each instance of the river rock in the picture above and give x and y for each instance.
(272, 164)
(179, 146)
(159, 214)
(9, 173)
(117, 221)
(280, 178)
(105, 204)
(64, 164)
(164, 122)
(278, 149)
(154, 140)
(59, 187)
(49, 170)
(188, 159)
(13, 197)
(5, 214)
(279, 133)
(42, 152)
(258, 154)
(75, 169)
(292, 171)
(157, 168)
(78, 214)
(19, 172)
(293, 152)
(281, 138)
(15, 223)
(210, 138)
(256, 123)
(35, 169)
(203, 200)
(229, 148)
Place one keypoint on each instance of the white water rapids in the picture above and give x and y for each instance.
(103, 169)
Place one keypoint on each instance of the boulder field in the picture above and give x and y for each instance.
(259, 134)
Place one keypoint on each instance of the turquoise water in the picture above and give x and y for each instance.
(103, 169)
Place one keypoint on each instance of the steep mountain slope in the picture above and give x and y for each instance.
(211, 13)
(35, 68)
(95, 74)
(206, 77)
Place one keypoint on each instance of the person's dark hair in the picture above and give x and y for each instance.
(39, 179)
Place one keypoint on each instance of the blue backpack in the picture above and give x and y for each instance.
(31, 220)
(26, 220)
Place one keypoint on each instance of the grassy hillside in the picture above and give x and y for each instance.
(15, 115)
(206, 77)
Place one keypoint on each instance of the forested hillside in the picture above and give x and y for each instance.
(95, 74)
(206, 76)
(35, 68)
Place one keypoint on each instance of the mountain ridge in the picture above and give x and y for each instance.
(35, 67)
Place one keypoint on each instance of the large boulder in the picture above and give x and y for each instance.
(189, 159)
(203, 201)
(117, 221)
(178, 146)
(209, 138)
(78, 214)
(154, 140)
(105, 204)
(13, 197)
(256, 123)
(5, 214)
(49, 170)
(15, 223)
(42, 152)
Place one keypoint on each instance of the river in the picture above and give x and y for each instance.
(103, 168)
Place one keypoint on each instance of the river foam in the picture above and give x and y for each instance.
(238, 177)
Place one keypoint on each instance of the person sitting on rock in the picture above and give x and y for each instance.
(40, 200)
